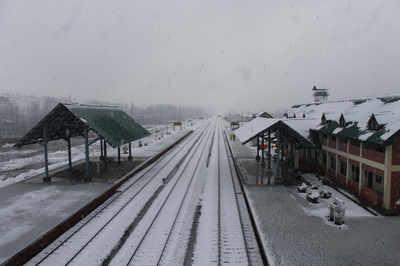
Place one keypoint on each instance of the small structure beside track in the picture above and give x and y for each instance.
(107, 124)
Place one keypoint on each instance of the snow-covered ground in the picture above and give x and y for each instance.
(320, 209)
(27, 210)
(296, 232)
(160, 210)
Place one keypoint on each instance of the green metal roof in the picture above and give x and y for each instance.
(112, 124)
(329, 127)
(352, 131)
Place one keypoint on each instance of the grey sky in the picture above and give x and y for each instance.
(225, 54)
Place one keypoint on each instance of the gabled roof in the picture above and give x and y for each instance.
(111, 123)
(357, 112)
(264, 114)
(292, 127)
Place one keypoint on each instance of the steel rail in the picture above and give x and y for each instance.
(174, 152)
(181, 204)
(163, 204)
(257, 233)
(123, 207)
(237, 201)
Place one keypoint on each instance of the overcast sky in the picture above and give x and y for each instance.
(220, 54)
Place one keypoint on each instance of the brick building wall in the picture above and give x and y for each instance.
(341, 176)
(342, 145)
(331, 172)
(373, 155)
(373, 169)
(371, 196)
(396, 152)
(355, 150)
(323, 139)
(352, 186)
(332, 143)
(395, 190)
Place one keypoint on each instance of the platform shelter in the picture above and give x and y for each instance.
(286, 135)
(107, 124)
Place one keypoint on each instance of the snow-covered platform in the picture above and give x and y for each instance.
(29, 210)
(253, 172)
(297, 232)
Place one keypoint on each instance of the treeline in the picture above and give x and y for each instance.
(162, 113)
(19, 113)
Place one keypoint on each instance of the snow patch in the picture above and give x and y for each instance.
(8, 145)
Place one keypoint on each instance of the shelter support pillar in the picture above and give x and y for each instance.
(46, 157)
(119, 153)
(69, 153)
(258, 148)
(296, 159)
(101, 148)
(130, 151)
(105, 150)
(269, 149)
(87, 154)
(347, 171)
(46, 163)
(262, 150)
(360, 179)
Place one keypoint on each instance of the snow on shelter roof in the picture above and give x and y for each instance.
(111, 123)
(251, 129)
(297, 128)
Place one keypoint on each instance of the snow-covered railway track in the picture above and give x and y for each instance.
(252, 250)
(73, 243)
(233, 229)
(232, 246)
(189, 208)
(148, 244)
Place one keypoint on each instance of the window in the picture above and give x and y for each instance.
(333, 162)
(355, 173)
(369, 177)
(333, 139)
(343, 167)
(324, 158)
(378, 179)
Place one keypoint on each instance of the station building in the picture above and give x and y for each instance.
(357, 146)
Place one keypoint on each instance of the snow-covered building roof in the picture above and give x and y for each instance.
(264, 114)
(356, 114)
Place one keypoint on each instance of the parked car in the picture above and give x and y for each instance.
(313, 196)
(302, 188)
(325, 194)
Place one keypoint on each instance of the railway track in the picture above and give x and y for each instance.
(189, 203)
(254, 252)
(75, 241)
(232, 244)
(151, 241)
